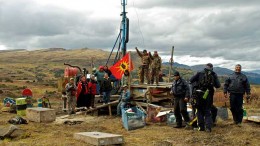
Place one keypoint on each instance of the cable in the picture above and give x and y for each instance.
(140, 31)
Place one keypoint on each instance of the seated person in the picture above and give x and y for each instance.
(124, 99)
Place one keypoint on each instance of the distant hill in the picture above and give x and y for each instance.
(253, 76)
(255, 71)
(23, 64)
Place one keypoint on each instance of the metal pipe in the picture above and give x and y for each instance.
(73, 66)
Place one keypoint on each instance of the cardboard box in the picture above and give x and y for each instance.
(40, 114)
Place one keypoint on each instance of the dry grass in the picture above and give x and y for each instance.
(60, 134)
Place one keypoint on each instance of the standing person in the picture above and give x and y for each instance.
(180, 91)
(82, 92)
(125, 80)
(71, 95)
(205, 80)
(236, 85)
(107, 70)
(64, 99)
(144, 68)
(112, 77)
(93, 90)
(106, 88)
(100, 76)
(155, 67)
(124, 99)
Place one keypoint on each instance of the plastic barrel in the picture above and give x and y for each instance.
(21, 106)
(39, 102)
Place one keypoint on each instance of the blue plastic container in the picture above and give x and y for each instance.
(39, 102)
(133, 120)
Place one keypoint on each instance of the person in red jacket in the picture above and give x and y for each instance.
(93, 90)
(82, 92)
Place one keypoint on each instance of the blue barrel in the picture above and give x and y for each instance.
(39, 102)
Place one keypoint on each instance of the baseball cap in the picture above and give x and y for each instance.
(176, 73)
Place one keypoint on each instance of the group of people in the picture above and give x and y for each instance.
(199, 90)
(81, 93)
(150, 67)
(201, 94)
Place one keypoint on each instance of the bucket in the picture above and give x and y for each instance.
(21, 106)
(39, 102)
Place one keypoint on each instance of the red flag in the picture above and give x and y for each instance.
(124, 64)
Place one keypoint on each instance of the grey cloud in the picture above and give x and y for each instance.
(227, 29)
(32, 26)
(194, 3)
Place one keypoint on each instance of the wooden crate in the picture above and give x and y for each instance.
(40, 114)
(99, 138)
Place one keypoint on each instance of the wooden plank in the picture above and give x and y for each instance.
(254, 119)
(109, 109)
(146, 104)
(101, 106)
(139, 105)
(111, 96)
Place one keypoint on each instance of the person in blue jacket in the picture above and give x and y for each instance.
(124, 99)
(236, 85)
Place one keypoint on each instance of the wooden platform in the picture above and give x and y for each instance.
(151, 93)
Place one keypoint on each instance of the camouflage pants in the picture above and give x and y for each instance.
(71, 103)
(144, 71)
(155, 74)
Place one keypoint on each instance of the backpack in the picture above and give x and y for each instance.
(206, 80)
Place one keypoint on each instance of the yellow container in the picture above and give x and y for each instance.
(21, 106)
(20, 101)
(21, 112)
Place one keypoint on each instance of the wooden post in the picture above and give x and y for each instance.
(171, 63)
(109, 109)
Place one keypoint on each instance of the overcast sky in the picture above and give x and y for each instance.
(220, 31)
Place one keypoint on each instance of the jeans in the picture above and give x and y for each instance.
(120, 106)
(106, 96)
(98, 88)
